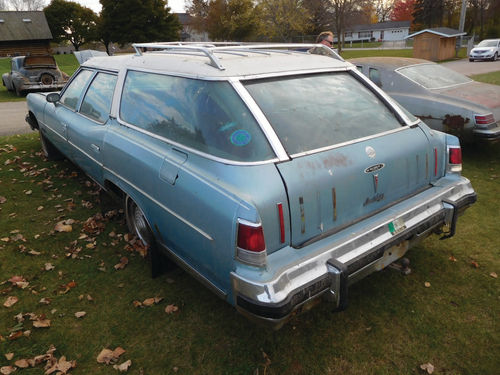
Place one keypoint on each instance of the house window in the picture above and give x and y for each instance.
(365, 34)
(348, 34)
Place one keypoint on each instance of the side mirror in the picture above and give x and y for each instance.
(53, 97)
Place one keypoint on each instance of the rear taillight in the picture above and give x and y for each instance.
(484, 119)
(251, 246)
(454, 159)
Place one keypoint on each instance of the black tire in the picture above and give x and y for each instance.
(49, 150)
(471, 60)
(18, 91)
(495, 57)
(138, 226)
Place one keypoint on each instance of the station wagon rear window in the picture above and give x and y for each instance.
(433, 76)
(321, 110)
(207, 116)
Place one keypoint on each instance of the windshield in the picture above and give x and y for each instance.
(488, 43)
(433, 76)
(315, 111)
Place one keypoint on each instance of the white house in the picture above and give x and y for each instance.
(382, 31)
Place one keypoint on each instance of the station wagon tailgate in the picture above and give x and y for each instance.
(330, 190)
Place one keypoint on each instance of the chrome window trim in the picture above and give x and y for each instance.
(173, 213)
(261, 119)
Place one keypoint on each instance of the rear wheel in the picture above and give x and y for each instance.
(138, 226)
(18, 91)
(49, 150)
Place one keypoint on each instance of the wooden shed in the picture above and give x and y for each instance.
(23, 33)
(435, 44)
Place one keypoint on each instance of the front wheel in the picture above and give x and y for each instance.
(495, 57)
(49, 150)
(18, 91)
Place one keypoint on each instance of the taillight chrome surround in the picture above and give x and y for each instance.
(250, 243)
(484, 119)
(454, 164)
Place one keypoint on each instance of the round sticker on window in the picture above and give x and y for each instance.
(240, 138)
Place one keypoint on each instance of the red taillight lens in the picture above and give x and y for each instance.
(455, 155)
(251, 238)
(484, 119)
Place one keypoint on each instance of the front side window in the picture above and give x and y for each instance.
(374, 75)
(433, 76)
(320, 110)
(97, 101)
(74, 90)
(206, 116)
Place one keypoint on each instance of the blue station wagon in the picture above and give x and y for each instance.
(274, 176)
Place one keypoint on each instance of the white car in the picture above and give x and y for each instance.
(488, 49)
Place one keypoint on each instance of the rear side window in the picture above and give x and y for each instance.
(204, 115)
(321, 110)
(74, 90)
(97, 101)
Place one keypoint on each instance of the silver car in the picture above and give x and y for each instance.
(446, 100)
(488, 49)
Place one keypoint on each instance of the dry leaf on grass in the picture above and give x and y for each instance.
(3, 200)
(170, 309)
(41, 323)
(9, 356)
(494, 275)
(427, 367)
(63, 226)
(108, 356)
(33, 252)
(22, 363)
(80, 314)
(122, 264)
(45, 301)
(427, 284)
(61, 367)
(474, 264)
(124, 366)
(10, 301)
(7, 370)
(49, 267)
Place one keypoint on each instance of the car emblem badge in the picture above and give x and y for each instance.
(375, 182)
(370, 151)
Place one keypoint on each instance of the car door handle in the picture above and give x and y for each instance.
(94, 147)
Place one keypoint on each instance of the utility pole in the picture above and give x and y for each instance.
(462, 22)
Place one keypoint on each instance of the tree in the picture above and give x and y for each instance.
(125, 21)
(72, 22)
(283, 19)
(231, 19)
(402, 10)
(383, 9)
(342, 10)
(428, 13)
(320, 16)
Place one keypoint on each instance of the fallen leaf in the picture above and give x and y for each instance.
(151, 301)
(137, 303)
(122, 264)
(474, 264)
(15, 335)
(62, 366)
(427, 367)
(494, 275)
(16, 279)
(110, 356)
(124, 366)
(28, 192)
(22, 363)
(49, 267)
(39, 208)
(62, 227)
(7, 370)
(33, 252)
(452, 258)
(45, 301)
(9, 356)
(41, 323)
(3, 200)
(171, 309)
(10, 301)
(80, 314)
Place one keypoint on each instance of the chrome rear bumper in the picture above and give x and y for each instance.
(333, 264)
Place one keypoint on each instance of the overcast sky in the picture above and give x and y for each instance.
(177, 6)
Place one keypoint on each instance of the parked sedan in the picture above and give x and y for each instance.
(255, 169)
(446, 100)
(34, 73)
(488, 49)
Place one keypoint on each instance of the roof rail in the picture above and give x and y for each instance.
(210, 48)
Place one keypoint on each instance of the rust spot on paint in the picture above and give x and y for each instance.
(455, 122)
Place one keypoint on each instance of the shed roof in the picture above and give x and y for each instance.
(441, 31)
(23, 25)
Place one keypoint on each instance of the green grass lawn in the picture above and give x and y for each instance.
(393, 325)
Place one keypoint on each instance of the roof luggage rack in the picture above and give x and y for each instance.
(210, 48)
